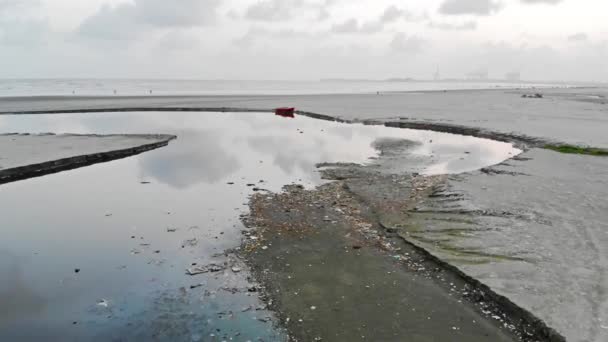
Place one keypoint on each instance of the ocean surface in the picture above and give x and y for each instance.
(103, 87)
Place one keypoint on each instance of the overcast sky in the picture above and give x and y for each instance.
(303, 39)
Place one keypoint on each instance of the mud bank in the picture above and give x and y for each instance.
(533, 229)
(336, 265)
(25, 156)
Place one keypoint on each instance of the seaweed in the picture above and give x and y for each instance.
(573, 149)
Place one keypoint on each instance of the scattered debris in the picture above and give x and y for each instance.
(205, 269)
(103, 303)
(190, 243)
(232, 290)
(532, 96)
(156, 262)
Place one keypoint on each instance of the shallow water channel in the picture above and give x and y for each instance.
(101, 252)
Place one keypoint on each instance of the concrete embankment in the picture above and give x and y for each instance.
(24, 156)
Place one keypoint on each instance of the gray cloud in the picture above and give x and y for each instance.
(390, 15)
(4, 4)
(472, 7)
(178, 40)
(257, 33)
(466, 26)
(550, 2)
(578, 37)
(403, 43)
(349, 26)
(25, 32)
(18, 27)
(186, 13)
(16, 4)
(352, 26)
(153, 38)
(323, 14)
(284, 10)
(129, 19)
(272, 10)
(393, 13)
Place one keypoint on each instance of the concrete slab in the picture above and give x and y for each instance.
(24, 155)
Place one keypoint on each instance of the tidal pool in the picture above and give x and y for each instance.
(101, 252)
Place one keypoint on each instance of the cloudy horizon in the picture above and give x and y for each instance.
(554, 40)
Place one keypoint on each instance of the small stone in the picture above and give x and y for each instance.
(103, 303)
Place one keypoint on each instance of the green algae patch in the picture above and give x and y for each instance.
(447, 248)
(445, 234)
(572, 149)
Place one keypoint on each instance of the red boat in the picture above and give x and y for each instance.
(287, 112)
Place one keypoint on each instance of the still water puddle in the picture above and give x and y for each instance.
(100, 253)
